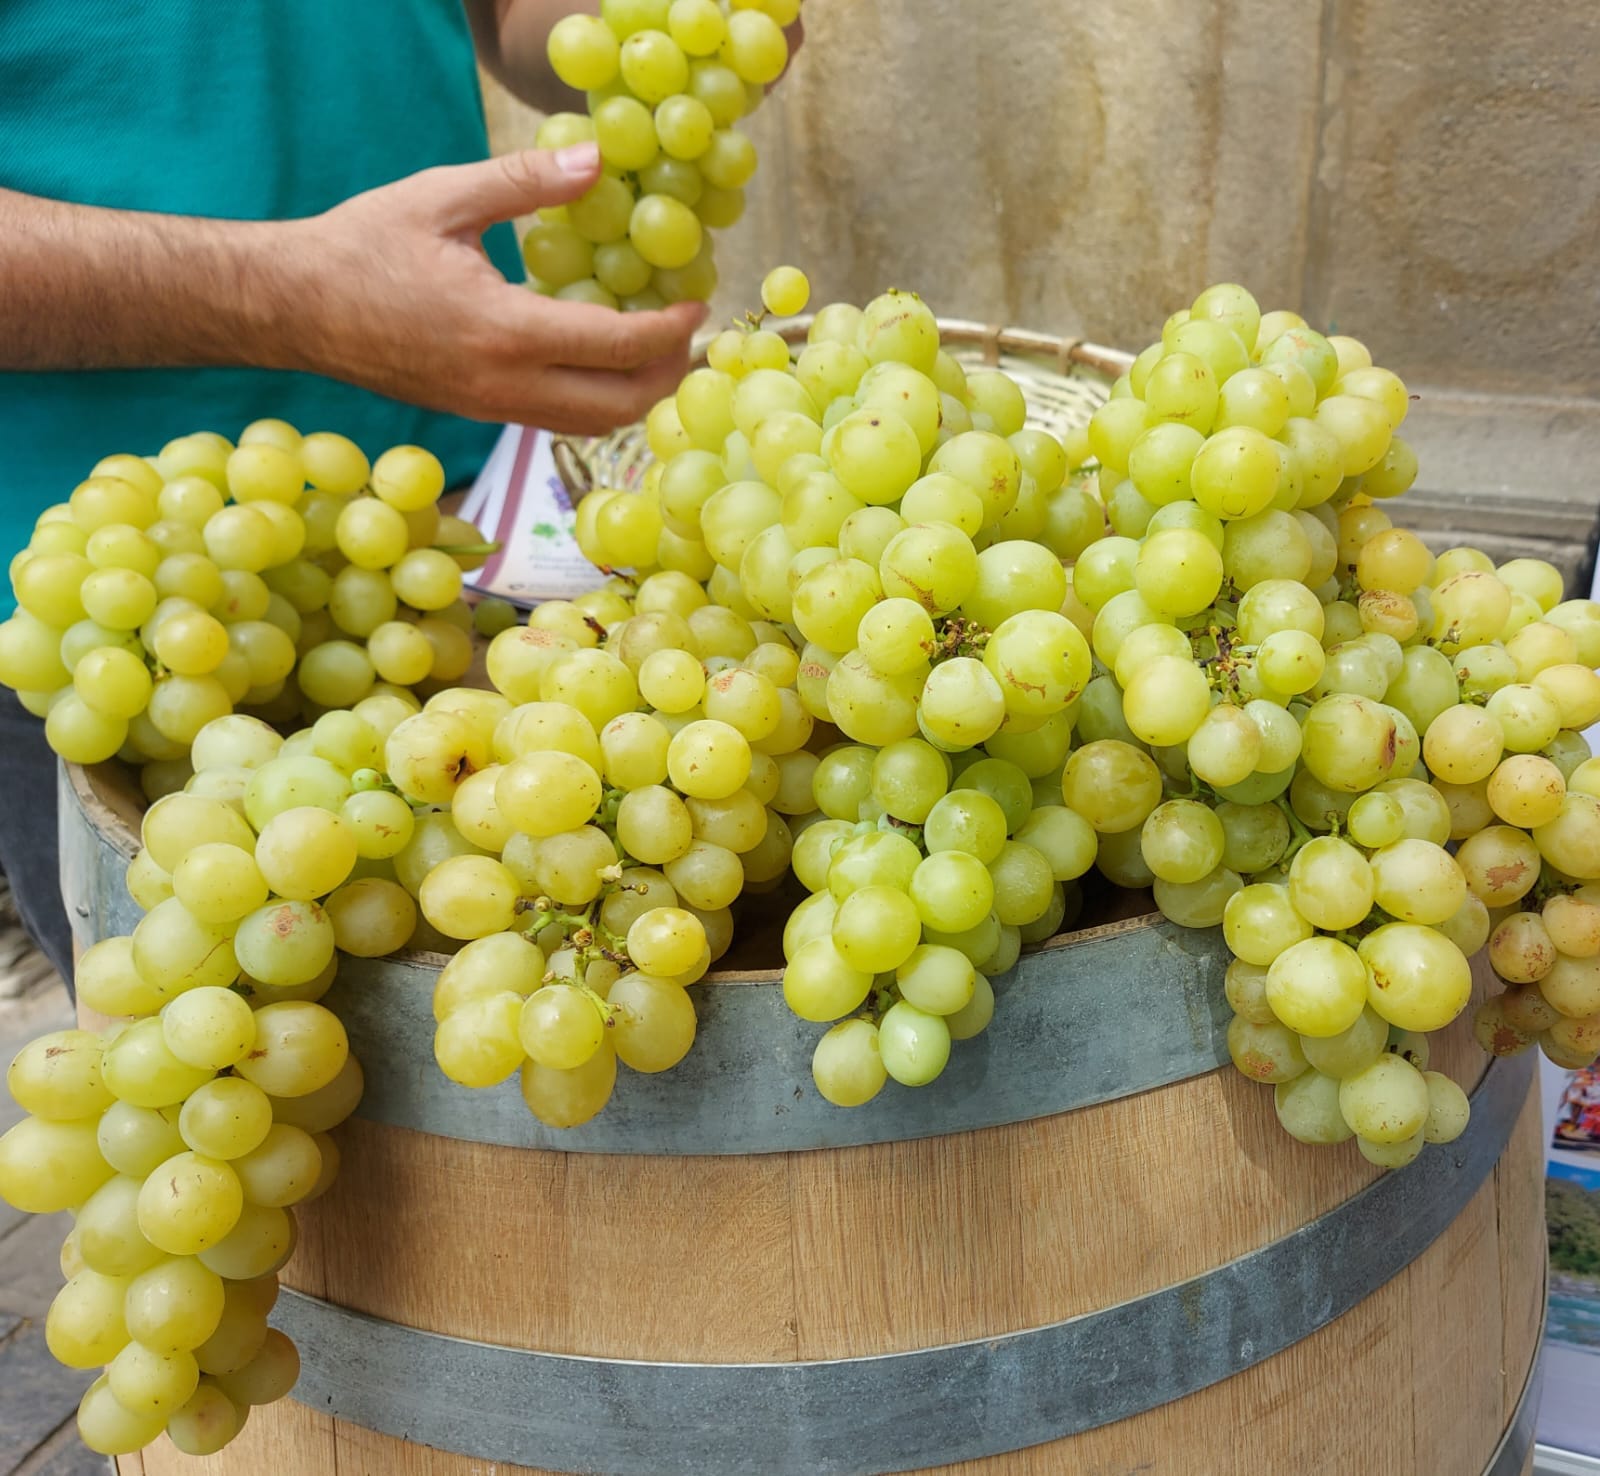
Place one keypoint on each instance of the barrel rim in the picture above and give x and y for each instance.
(110, 825)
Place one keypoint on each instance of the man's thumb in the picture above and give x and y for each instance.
(518, 184)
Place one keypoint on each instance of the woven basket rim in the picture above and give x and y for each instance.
(574, 454)
(994, 339)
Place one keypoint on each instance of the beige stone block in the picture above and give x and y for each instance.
(1079, 168)
(1457, 203)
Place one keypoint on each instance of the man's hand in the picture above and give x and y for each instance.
(405, 302)
(390, 290)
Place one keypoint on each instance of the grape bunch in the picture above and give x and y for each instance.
(181, 1134)
(281, 576)
(590, 836)
(1297, 724)
(667, 82)
(1361, 761)
(897, 533)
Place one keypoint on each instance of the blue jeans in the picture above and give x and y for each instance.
(29, 849)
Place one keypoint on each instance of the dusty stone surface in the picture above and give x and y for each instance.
(1425, 173)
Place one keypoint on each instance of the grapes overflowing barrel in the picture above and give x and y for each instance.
(1041, 1181)
(1047, 1267)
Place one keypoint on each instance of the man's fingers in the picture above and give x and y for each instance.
(593, 402)
(476, 196)
(583, 336)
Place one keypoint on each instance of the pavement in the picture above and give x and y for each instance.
(38, 1397)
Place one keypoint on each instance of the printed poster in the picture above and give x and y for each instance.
(1569, 1416)
(521, 502)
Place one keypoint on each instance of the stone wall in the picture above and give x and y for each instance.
(1423, 173)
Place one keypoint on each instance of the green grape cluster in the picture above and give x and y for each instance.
(182, 1134)
(899, 532)
(597, 816)
(281, 576)
(667, 81)
(1362, 761)
(1297, 724)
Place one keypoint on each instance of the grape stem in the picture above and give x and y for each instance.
(957, 636)
(588, 937)
(1301, 834)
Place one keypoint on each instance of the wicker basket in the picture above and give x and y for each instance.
(1063, 380)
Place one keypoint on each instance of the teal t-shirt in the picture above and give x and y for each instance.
(247, 110)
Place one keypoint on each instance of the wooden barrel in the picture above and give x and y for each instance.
(1085, 1250)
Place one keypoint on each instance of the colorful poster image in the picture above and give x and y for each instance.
(1569, 1417)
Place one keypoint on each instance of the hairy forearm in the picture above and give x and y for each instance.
(511, 37)
(87, 288)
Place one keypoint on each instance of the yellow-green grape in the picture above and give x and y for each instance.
(583, 52)
(113, 682)
(333, 463)
(1308, 1108)
(107, 1427)
(267, 1377)
(218, 883)
(847, 1065)
(698, 26)
(785, 291)
(225, 1118)
(261, 1241)
(570, 1098)
(1269, 1053)
(653, 1024)
(1448, 1109)
(755, 46)
(300, 1048)
(305, 852)
(408, 477)
(240, 1332)
(665, 941)
(653, 66)
(427, 579)
(626, 133)
(913, 1045)
(208, 1028)
(146, 1382)
(371, 917)
(974, 1017)
(478, 1043)
(381, 822)
(282, 1169)
(107, 1233)
(490, 617)
(820, 985)
(561, 1027)
(285, 943)
(58, 1076)
(1418, 978)
(665, 231)
(324, 1109)
(80, 733)
(1351, 1050)
(206, 1423)
(139, 1068)
(188, 1203)
(85, 1325)
(175, 825)
(1317, 987)
(1387, 1102)
(469, 897)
